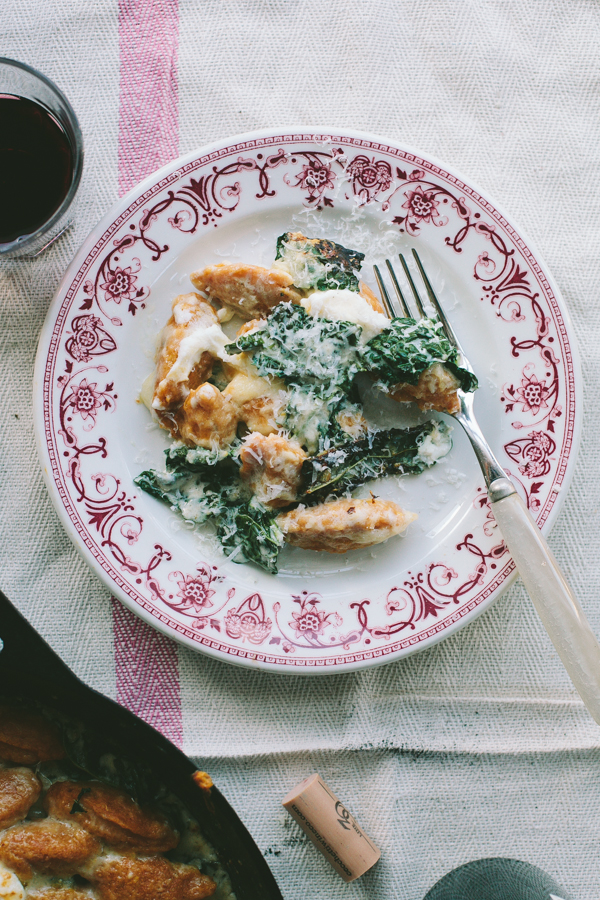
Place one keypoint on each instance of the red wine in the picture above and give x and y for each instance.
(36, 166)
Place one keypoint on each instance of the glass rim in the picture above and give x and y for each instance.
(22, 242)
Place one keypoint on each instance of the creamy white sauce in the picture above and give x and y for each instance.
(195, 507)
(10, 886)
(435, 445)
(343, 305)
(200, 340)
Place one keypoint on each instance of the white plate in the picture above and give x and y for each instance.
(230, 201)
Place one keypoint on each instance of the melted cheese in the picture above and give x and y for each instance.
(435, 445)
(200, 340)
(10, 886)
(147, 391)
(346, 306)
(245, 387)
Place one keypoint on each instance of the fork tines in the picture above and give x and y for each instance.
(404, 308)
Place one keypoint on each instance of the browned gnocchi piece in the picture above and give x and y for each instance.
(19, 789)
(48, 847)
(110, 815)
(27, 738)
(251, 291)
(125, 878)
(177, 376)
(271, 467)
(344, 524)
(435, 389)
(208, 418)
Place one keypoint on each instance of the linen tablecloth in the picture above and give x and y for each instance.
(479, 746)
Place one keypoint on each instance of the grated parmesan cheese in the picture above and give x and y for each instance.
(343, 305)
(304, 269)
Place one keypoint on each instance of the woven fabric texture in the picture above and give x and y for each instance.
(479, 746)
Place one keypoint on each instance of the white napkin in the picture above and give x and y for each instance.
(508, 94)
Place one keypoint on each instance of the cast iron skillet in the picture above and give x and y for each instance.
(31, 672)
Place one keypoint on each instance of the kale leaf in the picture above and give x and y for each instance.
(197, 483)
(222, 463)
(302, 349)
(162, 488)
(248, 532)
(201, 486)
(403, 351)
(316, 264)
(393, 452)
(186, 494)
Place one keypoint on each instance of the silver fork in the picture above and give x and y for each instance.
(557, 606)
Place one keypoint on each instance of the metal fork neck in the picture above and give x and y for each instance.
(497, 481)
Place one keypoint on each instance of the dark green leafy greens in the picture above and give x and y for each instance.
(317, 264)
(188, 494)
(393, 452)
(198, 483)
(317, 359)
(402, 352)
(220, 463)
(203, 485)
(249, 533)
(303, 349)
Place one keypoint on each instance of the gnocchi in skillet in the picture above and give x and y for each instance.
(67, 836)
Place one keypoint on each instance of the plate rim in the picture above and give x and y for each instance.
(316, 667)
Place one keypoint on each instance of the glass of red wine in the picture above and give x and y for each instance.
(41, 160)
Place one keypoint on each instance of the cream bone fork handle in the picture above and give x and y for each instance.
(556, 605)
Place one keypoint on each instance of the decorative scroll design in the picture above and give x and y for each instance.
(109, 510)
(202, 200)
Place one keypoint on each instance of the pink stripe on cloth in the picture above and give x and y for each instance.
(146, 665)
(148, 102)
(147, 674)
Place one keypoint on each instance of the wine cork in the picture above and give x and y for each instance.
(331, 828)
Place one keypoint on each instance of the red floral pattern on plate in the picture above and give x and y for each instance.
(88, 339)
(204, 604)
(369, 176)
(249, 621)
(422, 206)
